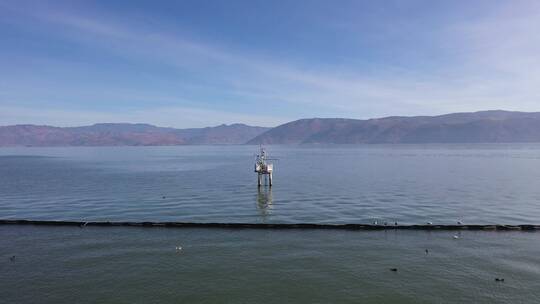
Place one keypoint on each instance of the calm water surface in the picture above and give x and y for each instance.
(477, 184)
(141, 265)
(341, 184)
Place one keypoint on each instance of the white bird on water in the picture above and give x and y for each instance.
(178, 248)
(456, 237)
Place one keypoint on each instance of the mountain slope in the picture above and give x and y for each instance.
(123, 134)
(477, 127)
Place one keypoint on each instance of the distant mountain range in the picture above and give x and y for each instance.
(125, 134)
(477, 127)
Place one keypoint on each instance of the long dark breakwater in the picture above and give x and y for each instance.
(392, 226)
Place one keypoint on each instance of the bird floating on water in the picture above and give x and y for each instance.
(430, 223)
(393, 269)
(456, 237)
(178, 248)
(499, 280)
(12, 258)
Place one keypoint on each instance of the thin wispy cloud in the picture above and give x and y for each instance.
(485, 62)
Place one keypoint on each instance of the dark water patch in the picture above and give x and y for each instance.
(390, 226)
(59, 264)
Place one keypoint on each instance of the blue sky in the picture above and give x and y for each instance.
(203, 63)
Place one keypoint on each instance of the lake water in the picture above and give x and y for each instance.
(411, 184)
(480, 184)
(141, 265)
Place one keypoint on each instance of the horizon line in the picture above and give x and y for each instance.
(257, 126)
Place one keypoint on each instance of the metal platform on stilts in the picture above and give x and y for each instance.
(263, 168)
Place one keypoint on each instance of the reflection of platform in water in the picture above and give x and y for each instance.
(264, 200)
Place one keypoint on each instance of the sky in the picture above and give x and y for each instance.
(204, 63)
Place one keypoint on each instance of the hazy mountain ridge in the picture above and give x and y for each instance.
(124, 134)
(477, 127)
